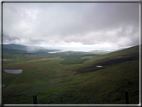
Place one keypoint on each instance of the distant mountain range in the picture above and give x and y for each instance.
(33, 49)
(25, 48)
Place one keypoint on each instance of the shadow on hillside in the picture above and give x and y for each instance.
(105, 64)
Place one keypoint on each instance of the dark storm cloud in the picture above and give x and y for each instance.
(116, 24)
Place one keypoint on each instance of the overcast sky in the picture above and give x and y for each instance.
(91, 25)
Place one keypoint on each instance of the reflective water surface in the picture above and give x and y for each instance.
(99, 66)
(16, 71)
(2, 85)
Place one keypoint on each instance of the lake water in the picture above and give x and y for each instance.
(16, 71)
(56, 52)
(99, 66)
(2, 85)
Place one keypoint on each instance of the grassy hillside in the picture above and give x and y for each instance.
(56, 80)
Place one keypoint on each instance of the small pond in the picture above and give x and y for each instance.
(56, 51)
(99, 66)
(16, 71)
(2, 85)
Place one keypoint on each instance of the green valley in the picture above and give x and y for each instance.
(70, 77)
